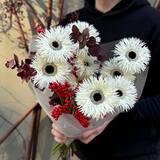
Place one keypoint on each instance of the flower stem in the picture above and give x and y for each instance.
(19, 25)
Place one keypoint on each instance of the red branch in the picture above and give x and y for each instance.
(61, 6)
(19, 25)
(33, 11)
(49, 13)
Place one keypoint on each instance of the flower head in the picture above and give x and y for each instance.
(125, 91)
(49, 71)
(86, 64)
(95, 98)
(111, 68)
(55, 44)
(132, 55)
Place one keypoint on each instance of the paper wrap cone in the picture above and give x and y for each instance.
(71, 127)
(67, 123)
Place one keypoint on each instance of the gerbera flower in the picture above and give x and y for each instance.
(95, 98)
(55, 43)
(125, 91)
(86, 64)
(111, 68)
(93, 32)
(49, 71)
(133, 55)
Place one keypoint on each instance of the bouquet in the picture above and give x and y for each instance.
(78, 87)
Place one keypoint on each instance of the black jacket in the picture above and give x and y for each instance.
(134, 135)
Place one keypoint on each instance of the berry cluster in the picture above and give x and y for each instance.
(84, 121)
(64, 91)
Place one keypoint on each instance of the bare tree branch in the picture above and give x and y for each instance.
(33, 11)
(49, 13)
(61, 6)
(19, 25)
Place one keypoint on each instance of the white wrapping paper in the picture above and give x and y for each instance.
(67, 123)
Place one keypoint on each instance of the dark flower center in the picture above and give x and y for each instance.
(132, 55)
(119, 93)
(116, 73)
(49, 69)
(86, 64)
(55, 44)
(97, 97)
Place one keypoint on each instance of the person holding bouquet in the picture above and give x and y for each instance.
(135, 134)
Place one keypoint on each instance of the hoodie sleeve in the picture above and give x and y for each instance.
(148, 108)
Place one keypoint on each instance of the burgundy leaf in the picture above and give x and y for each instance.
(94, 51)
(16, 61)
(54, 100)
(13, 63)
(10, 64)
(28, 61)
(25, 71)
(86, 33)
(91, 41)
(74, 37)
(82, 43)
(75, 30)
(102, 58)
(73, 17)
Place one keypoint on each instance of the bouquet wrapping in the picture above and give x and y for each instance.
(78, 87)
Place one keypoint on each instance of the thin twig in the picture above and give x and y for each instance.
(33, 11)
(19, 25)
(61, 6)
(49, 13)
(19, 121)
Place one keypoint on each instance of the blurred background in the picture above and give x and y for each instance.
(16, 97)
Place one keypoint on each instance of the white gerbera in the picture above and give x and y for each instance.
(55, 44)
(93, 32)
(133, 55)
(49, 71)
(86, 64)
(111, 68)
(95, 98)
(125, 91)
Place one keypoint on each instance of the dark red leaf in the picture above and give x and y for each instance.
(94, 51)
(102, 58)
(75, 30)
(91, 41)
(13, 63)
(16, 61)
(85, 33)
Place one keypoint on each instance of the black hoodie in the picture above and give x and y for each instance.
(135, 134)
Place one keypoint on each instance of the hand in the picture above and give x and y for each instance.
(89, 135)
(58, 136)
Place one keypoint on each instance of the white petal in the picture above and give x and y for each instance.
(140, 55)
